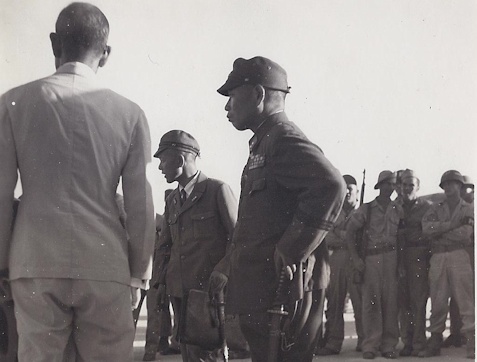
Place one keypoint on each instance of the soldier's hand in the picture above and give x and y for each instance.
(283, 262)
(358, 264)
(217, 283)
(135, 297)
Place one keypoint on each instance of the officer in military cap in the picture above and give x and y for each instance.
(450, 224)
(378, 222)
(200, 216)
(413, 266)
(291, 195)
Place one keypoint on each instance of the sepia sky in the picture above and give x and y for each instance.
(377, 84)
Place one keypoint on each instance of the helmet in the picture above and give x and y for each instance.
(451, 175)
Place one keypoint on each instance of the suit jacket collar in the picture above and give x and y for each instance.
(76, 68)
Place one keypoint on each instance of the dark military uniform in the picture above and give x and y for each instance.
(286, 179)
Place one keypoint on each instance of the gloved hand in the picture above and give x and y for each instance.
(217, 283)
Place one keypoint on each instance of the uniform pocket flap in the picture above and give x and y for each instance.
(203, 216)
(258, 185)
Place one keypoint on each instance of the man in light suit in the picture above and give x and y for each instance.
(72, 270)
(199, 217)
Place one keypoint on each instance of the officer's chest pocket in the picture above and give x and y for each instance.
(203, 224)
(257, 186)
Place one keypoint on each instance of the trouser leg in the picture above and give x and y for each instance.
(390, 337)
(417, 272)
(461, 275)
(439, 292)
(336, 295)
(356, 296)
(372, 308)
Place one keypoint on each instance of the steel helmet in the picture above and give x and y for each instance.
(451, 175)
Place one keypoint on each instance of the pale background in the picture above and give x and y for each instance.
(376, 84)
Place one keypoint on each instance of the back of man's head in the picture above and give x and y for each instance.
(82, 28)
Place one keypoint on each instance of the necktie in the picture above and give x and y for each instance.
(183, 197)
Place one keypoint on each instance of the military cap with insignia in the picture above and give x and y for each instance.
(257, 70)
(178, 140)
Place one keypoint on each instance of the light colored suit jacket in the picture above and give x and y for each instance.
(195, 236)
(72, 141)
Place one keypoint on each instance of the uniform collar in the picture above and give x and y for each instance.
(264, 127)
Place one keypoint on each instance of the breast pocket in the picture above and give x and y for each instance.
(204, 224)
(257, 185)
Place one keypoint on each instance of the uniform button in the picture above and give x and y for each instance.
(182, 257)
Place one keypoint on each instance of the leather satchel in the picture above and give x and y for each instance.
(199, 324)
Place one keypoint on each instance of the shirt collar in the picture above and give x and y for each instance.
(77, 68)
(190, 185)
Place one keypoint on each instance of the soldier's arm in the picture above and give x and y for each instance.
(227, 206)
(300, 167)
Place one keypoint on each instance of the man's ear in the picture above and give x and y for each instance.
(260, 94)
(180, 161)
(105, 56)
(56, 45)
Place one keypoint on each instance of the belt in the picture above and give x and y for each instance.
(446, 248)
(380, 250)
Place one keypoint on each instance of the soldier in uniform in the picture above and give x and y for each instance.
(291, 195)
(455, 338)
(450, 225)
(200, 216)
(341, 278)
(379, 219)
(414, 249)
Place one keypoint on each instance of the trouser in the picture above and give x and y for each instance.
(451, 275)
(381, 331)
(454, 314)
(159, 323)
(256, 327)
(189, 352)
(412, 297)
(60, 317)
(340, 283)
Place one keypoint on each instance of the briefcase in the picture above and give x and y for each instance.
(199, 321)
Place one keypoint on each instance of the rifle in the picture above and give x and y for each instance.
(361, 241)
(361, 197)
(277, 313)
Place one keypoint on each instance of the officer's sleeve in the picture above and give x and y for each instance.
(163, 252)
(8, 181)
(138, 202)
(300, 167)
(227, 206)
